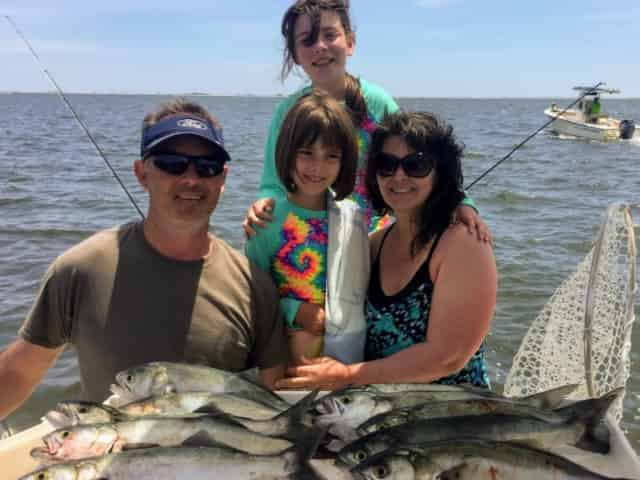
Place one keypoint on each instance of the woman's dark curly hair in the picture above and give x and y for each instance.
(423, 132)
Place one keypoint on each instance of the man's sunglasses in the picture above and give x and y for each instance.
(414, 165)
(177, 163)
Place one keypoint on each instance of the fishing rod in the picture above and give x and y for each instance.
(588, 91)
(73, 112)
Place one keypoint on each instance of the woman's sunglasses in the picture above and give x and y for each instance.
(177, 163)
(414, 165)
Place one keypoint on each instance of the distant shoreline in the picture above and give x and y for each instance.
(280, 95)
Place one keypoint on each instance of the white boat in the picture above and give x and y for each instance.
(589, 120)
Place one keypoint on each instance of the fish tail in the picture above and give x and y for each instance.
(295, 418)
(304, 450)
(592, 413)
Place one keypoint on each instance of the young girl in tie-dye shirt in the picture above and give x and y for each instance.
(316, 160)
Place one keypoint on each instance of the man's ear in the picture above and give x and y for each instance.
(225, 170)
(139, 168)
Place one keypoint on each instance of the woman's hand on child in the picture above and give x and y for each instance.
(468, 216)
(311, 318)
(325, 373)
(259, 214)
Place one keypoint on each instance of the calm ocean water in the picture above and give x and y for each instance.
(544, 205)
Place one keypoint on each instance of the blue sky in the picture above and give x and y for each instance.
(425, 48)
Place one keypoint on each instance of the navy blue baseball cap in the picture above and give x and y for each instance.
(180, 124)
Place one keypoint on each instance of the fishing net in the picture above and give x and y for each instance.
(583, 334)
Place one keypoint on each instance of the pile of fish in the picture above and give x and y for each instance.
(176, 421)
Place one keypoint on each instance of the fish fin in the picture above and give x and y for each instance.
(160, 383)
(201, 439)
(41, 453)
(272, 399)
(210, 409)
(552, 398)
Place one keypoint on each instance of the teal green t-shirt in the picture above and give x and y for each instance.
(293, 250)
(379, 103)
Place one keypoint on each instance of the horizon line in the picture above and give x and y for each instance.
(282, 95)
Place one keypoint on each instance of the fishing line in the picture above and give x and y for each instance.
(591, 90)
(75, 115)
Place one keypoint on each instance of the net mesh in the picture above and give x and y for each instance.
(583, 334)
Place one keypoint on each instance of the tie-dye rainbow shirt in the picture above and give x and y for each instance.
(299, 264)
(293, 250)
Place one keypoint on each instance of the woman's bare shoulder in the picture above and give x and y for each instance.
(459, 243)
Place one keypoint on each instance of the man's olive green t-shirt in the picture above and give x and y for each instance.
(120, 303)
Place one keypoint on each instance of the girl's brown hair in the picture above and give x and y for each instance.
(313, 117)
(314, 8)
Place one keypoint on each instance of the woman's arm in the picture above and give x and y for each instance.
(465, 285)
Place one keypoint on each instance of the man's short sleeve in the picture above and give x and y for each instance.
(48, 323)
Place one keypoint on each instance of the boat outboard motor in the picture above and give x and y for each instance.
(627, 128)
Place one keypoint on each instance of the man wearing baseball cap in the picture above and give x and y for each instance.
(163, 289)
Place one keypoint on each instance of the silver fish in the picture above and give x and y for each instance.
(457, 408)
(160, 378)
(467, 459)
(69, 413)
(583, 428)
(345, 410)
(183, 463)
(552, 398)
(173, 404)
(83, 441)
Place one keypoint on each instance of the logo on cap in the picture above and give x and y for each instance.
(191, 123)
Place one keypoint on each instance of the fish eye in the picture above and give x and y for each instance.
(83, 410)
(42, 476)
(129, 378)
(381, 471)
(65, 434)
(360, 455)
(346, 399)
